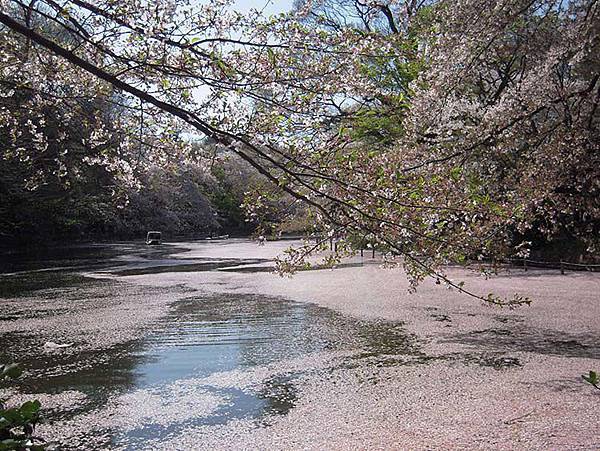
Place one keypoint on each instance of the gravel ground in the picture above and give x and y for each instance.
(480, 378)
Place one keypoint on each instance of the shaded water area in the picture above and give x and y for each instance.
(208, 360)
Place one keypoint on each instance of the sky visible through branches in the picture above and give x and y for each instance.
(270, 7)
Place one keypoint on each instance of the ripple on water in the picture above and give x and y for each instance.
(211, 360)
(205, 337)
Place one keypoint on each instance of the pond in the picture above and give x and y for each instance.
(209, 360)
(209, 346)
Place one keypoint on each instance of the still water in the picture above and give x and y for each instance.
(208, 344)
(212, 359)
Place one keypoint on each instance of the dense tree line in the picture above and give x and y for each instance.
(72, 169)
(80, 161)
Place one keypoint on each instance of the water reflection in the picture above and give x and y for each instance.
(40, 259)
(214, 336)
(213, 359)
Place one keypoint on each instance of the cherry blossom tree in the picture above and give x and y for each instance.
(440, 131)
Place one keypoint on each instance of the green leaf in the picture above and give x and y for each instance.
(455, 173)
(10, 371)
(30, 408)
(12, 417)
(272, 57)
(592, 378)
(4, 423)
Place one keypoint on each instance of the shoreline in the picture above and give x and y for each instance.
(481, 377)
